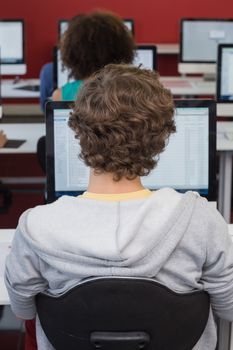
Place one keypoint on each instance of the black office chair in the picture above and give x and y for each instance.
(123, 314)
(5, 198)
(41, 153)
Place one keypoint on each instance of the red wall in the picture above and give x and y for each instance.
(155, 21)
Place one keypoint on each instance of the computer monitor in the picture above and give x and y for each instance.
(63, 24)
(61, 73)
(12, 47)
(225, 80)
(145, 57)
(129, 24)
(199, 39)
(188, 162)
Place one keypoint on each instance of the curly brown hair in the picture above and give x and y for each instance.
(94, 40)
(123, 117)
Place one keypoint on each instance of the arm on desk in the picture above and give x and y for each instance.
(3, 139)
(56, 96)
(217, 275)
(22, 278)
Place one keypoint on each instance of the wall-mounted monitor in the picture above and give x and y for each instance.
(199, 40)
(145, 56)
(63, 24)
(12, 47)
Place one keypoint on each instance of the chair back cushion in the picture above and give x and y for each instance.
(172, 320)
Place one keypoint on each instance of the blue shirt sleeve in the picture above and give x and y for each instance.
(46, 84)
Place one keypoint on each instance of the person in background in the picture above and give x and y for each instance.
(3, 139)
(46, 84)
(91, 42)
(123, 117)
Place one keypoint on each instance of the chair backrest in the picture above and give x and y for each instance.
(40, 152)
(123, 314)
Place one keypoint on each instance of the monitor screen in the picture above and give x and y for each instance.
(63, 24)
(145, 56)
(200, 38)
(61, 74)
(225, 73)
(12, 46)
(188, 153)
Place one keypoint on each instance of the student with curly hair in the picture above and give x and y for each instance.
(123, 118)
(91, 42)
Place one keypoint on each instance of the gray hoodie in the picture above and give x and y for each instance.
(177, 239)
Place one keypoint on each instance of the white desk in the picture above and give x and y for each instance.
(29, 132)
(6, 237)
(225, 109)
(9, 89)
(168, 49)
(189, 86)
(180, 86)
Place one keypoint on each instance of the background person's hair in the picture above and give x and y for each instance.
(93, 41)
(123, 117)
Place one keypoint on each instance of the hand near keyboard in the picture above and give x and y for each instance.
(3, 139)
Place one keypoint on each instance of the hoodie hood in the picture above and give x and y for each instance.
(115, 235)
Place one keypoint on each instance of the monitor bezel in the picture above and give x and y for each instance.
(51, 106)
(20, 20)
(189, 19)
(219, 73)
(154, 50)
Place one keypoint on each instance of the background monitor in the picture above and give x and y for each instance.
(63, 24)
(145, 56)
(61, 73)
(199, 39)
(225, 80)
(225, 73)
(129, 24)
(12, 47)
(188, 162)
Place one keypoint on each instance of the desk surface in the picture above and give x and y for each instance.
(10, 89)
(224, 136)
(168, 49)
(180, 86)
(29, 132)
(189, 86)
(6, 237)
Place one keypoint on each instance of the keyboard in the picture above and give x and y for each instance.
(28, 88)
